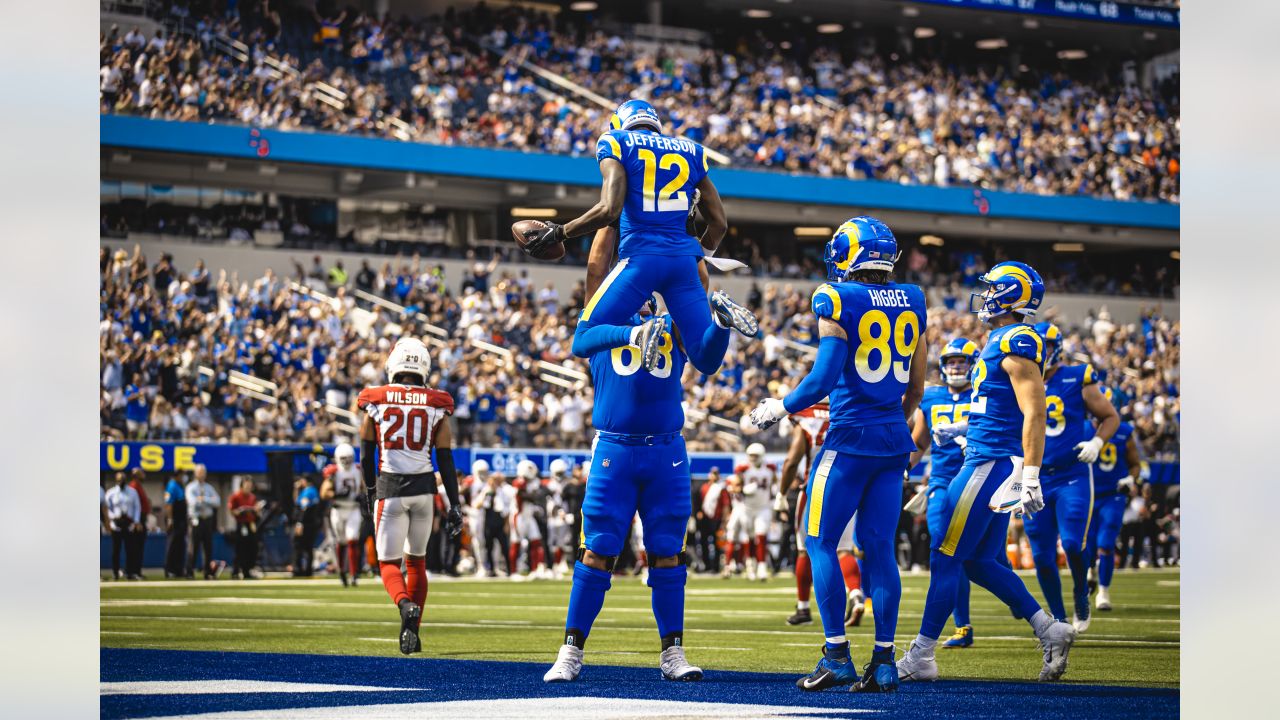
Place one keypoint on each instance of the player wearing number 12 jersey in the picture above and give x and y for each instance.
(871, 361)
(404, 422)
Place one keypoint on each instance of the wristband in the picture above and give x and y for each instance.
(1031, 472)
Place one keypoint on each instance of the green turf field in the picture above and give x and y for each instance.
(730, 624)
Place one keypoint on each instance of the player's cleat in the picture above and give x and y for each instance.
(917, 665)
(410, 617)
(854, 608)
(879, 675)
(829, 673)
(801, 617)
(675, 667)
(1079, 623)
(342, 575)
(1056, 643)
(729, 314)
(1081, 618)
(650, 341)
(354, 578)
(1104, 599)
(962, 639)
(567, 666)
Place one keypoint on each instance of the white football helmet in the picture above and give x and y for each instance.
(480, 469)
(344, 455)
(559, 468)
(409, 356)
(755, 453)
(527, 470)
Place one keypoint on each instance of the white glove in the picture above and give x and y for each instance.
(1032, 498)
(768, 412)
(1144, 473)
(779, 503)
(1089, 449)
(944, 433)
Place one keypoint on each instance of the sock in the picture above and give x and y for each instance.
(513, 557)
(1040, 621)
(1079, 576)
(962, 599)
(1106, 567)
(393, 581)
(416, 578)
(668, 599)
(740, 553)
(675, 639)
(558, 554)
(802, 604)
(1005, 584)
(925, 645)
(761, 549)
(586, 597)
(852, 573)
(1050, 583)
(804, 579)
(536, 555)
(882, 653)
(837, 648)
(353, 558)
(642, 559)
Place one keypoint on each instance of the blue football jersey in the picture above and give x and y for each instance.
(631, 401)
(941, 404)
(1065, 416)
(662, 174)
(995, 420)
(884, 324)
(1112, 465)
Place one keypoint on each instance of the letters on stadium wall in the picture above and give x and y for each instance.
(1099, 10)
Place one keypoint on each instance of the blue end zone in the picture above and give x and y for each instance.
(398, 680)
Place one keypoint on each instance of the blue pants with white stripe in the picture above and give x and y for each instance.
(1068, 510)
(841, 484)
(626, 288)
(974, 538)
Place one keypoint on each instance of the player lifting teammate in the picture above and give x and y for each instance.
(405, 421)
(1001, 470)
(871, 362)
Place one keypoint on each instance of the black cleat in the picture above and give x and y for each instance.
(410, 616)
(801, 617)
(342, 575)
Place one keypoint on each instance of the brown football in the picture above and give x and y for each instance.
(524, 230)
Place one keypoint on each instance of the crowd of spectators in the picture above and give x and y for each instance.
(171, 338)
(458, 79)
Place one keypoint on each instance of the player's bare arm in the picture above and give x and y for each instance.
(795, 453)
(1028, 388)
(608, 209)
(915, 382)
(919, 434)
(603, 247)
(712, 208)
(1103, 411)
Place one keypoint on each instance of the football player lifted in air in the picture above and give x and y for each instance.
(649, 187)
(1001, 471)
(1071, 393)
(341, 488)
(871, 361)
(404, 422)
(1119, 467)
(947, 403)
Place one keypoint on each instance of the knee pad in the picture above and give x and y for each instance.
(595, 578)
(609, 560)
(668, 576)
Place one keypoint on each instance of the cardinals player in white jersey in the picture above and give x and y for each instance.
(759, 497)
(341, 489)
(806, 440)
(529, 523)
(405, 420)
(475, 514)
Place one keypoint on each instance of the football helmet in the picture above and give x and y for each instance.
(480, 469)
(861, 243)
(527, 469)
(559, 468)
(1052, 342)
(634, 114)
(344, 455)
(1010, 287)
(409, 356)
(755, 453)
(962, 348)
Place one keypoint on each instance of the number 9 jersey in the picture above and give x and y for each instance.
(408, 419)
(995, 420)
(884, 324)
(662, 174)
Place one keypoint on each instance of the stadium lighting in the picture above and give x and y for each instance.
(532, 212)
(1176, 255)
(1065, 247)
(757, 13)
(923, 33)
(830, 28)
(1072, 54)
(583, 6)
(992, 44)
(909, 11)
(931, 240)
(804, 231)
(1030, 23)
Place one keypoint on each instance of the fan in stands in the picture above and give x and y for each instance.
(525, 230)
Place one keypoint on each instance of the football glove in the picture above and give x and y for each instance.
(1032, 498)
(944, 433)
(453, 521)
(779, 503)
(1089, 449)
(545, 238)
(768, 412)
(1144, 471)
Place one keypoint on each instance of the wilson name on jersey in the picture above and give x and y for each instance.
(632, 401)
(995, 420)
(662, 174)
(942, 405)
(408, 419)
(884, 323)
(1112, 464)
(1065, 415)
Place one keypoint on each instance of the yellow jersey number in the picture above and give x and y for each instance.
(672, 198)
(631, 364)
(887, 343)
(947, 414)
(1055, 416)
(1107, 457)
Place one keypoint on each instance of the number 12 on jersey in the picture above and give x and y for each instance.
(672, 198)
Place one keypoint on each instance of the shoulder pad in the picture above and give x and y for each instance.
(608, 147)
(1024, 342)
(826, 302)
(1088, 376)
(739, 469)
(370, 396)
(440, 399)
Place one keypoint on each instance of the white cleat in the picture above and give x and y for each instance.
(1080, 625)
(568, 665)
(675, 667)
(1104, 599)
(1056, 642)
(855, 607)
(916, 666)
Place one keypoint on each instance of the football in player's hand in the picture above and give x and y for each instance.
(525, 230)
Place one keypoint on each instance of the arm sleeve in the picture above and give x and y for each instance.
(448, 474)
(588, 341)
(368, 463)
(832, 352)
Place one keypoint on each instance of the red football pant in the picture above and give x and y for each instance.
(393, 581)
(416, 578)
(761, 548)
(852, 574)
(804, 577)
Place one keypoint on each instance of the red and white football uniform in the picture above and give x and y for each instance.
(344, 512)
(407, 420)
(815, 421)
(759, 486)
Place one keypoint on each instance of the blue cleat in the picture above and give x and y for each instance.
(962, 639)
(879, 675)
(729, 314)
(830, 672)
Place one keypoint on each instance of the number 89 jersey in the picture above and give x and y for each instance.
(995, 420)
(408, 419)
(884, 324)
(662, 174)
(631, 401)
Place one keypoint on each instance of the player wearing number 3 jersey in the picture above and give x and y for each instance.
(871, 361)
(404, 421)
